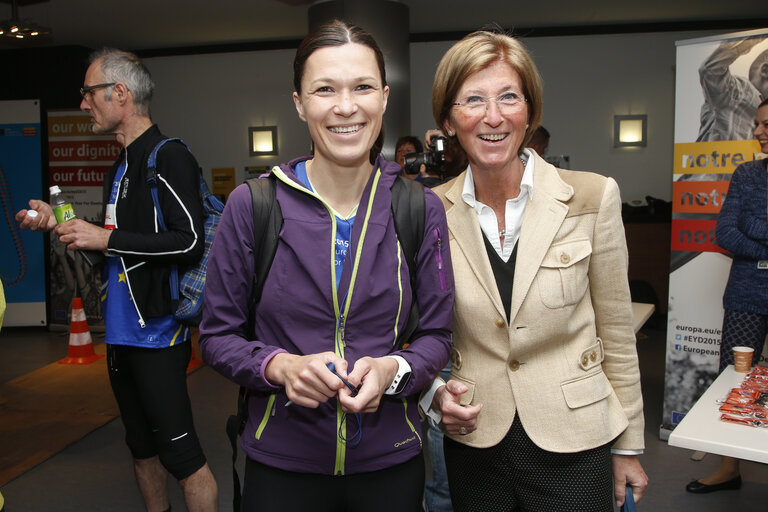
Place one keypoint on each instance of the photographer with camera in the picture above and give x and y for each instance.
(432, 167)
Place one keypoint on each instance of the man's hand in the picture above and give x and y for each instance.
(79, 234)
(42, 219)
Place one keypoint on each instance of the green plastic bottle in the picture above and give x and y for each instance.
(61, 209)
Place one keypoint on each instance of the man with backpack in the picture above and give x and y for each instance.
(148, 349)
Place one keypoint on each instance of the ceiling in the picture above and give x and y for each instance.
(167, 24)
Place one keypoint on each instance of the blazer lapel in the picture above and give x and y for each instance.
(544, 214)
(463, 223)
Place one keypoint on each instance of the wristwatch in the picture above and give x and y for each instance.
(402, 376)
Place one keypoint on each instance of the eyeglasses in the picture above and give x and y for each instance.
(506, 102)
(90, 88)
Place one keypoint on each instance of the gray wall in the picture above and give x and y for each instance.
(210, 100)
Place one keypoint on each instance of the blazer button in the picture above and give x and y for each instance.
(593, 356)
(514, 365)
(584, 360)
(500, 324)
(565, 258)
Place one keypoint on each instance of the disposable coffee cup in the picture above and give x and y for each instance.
(742, 359)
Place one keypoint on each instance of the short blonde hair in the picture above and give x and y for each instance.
(474, 53)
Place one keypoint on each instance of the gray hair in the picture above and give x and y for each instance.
(126, 68)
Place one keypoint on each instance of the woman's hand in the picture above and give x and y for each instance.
(628, 471)
(372, 376)
(306, 379)
(458, 419)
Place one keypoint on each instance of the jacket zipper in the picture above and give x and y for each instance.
(270, 410)
(410, 425)
(341, 316)
(439, 257)
(142, 323)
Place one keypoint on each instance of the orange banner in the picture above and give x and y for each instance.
(718, 157)
(694, 235)
(70, 126)
(698, 196)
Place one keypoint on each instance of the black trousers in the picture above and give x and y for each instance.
(398, 488)
(742, 329)
(517, 475)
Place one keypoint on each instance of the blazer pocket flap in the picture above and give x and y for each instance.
(592, 355)
(465, 398)
(567, 254)
(586, 390)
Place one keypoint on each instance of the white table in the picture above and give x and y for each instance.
(701, 429)
(641, 312)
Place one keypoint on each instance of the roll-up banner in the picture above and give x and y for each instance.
(78, 162)
(22, 256)
(715, 106)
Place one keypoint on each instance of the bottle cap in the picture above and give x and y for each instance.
(54, 190)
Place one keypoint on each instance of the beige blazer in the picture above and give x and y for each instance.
(566, 362)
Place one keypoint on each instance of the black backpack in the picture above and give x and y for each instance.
(408, 209)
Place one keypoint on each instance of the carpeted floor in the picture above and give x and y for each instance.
(48, 409)
(96, 474)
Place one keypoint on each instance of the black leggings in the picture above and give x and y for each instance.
(150, 386)
(399, 488)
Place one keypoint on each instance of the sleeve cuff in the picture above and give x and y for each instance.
(264, 364)
(626, 452)
(425, 402)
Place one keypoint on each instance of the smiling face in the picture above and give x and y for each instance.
(491, 136)
(761, 128)
(343, 101)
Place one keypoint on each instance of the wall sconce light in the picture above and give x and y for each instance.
(630, 131)
(262, 140)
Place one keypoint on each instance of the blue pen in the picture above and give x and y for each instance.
(345, 381)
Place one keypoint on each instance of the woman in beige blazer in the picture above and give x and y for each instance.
(543, 410)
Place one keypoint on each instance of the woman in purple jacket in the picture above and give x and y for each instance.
(338, 292)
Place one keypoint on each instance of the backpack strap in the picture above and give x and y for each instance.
(152, 181)
(408, 211)
(267, 222)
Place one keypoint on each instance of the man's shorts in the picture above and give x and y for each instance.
(151, 390)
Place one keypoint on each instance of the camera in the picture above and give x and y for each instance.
(432, 159)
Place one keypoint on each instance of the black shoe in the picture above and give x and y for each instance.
(697, 487)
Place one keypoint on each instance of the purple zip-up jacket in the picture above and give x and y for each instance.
(299, 313)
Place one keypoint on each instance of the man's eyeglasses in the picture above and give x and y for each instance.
(90, 88)
(506, 102)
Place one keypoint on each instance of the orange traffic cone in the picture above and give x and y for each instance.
(80, 343)
(193, 361)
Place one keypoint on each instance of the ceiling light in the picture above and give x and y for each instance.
(19, 29)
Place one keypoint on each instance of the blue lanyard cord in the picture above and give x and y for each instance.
(355, 438)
